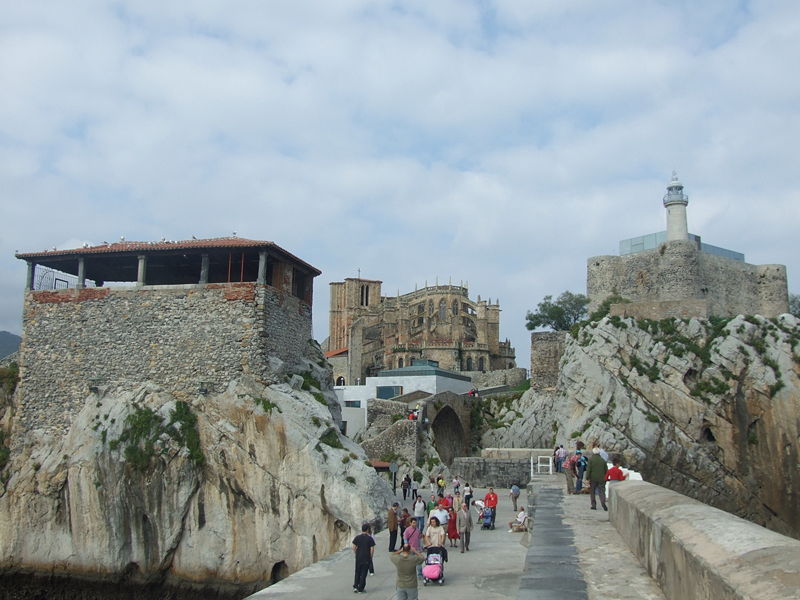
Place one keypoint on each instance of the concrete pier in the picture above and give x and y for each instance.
(571, 552)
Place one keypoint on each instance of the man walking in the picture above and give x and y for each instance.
(406, 561)
(391, 521)
(596, 473)
(363, 548)
(514, 495)
(464, 526)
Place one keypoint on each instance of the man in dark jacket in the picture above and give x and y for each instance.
(363, 548)
(391, 522)
(596, 473)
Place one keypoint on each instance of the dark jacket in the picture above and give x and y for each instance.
(596, 471)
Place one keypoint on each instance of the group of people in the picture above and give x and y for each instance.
(444, 521)
(593, 468)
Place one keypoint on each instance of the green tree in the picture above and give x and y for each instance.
(560, 315)
(794, 305)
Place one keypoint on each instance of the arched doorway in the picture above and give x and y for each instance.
(448, 435)
(340, 380)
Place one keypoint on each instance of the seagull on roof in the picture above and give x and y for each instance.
(194, 237)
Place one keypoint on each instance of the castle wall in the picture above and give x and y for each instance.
(488, 379)
(678, 272)
(172, 336)
(547, 347)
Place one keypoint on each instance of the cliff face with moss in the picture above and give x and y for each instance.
(707, 408)
(225, 491)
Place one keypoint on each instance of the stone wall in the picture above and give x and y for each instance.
(180, 337)
(695, 551)
(678, 309)
(487, 379)
(546, 350)
(492, 472)
(678, 271)
(516, 453)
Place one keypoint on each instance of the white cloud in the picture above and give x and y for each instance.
(501, 143)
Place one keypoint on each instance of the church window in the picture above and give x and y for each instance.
(442, 310)
(469, 364)
(421, 308)
(481, 364)
(364, 295)
(400, 363)
(455, 308)
(430, 307)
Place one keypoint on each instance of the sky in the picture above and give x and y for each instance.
(497, 143)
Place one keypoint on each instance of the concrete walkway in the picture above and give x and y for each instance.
(572, 553)
(490, 570)
(552, 570)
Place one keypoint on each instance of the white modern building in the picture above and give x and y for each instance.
(421, 376)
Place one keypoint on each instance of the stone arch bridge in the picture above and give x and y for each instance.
(449, 417)
(446, 417)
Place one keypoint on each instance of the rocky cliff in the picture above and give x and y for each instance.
(225, 492)
(709, 408)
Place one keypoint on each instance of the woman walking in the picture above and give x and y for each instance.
(452, 528)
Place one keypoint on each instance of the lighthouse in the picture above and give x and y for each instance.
(675, 202)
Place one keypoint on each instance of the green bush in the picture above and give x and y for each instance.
(652, 418)
(266, 405)
(331, 438)
(142, 428)
(605, 306)
(309, 381)
(5, 453)
(9, 377)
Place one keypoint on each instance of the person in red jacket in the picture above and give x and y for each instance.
(490, 501)
(615, 473)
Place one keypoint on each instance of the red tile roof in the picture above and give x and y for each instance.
(335, 352)
(124, 247)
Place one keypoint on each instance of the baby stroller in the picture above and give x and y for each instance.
(486, 518)
(433, 571)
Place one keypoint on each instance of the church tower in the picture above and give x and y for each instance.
(675, 202)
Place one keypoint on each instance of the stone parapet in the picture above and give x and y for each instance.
(487, 379)
(695, 551)
(516, 453)
(492, 472)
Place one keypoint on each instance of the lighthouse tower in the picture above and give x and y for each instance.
(675, 202)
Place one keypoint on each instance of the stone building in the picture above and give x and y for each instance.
(370, 332)
(190, 316)
(674, 274)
